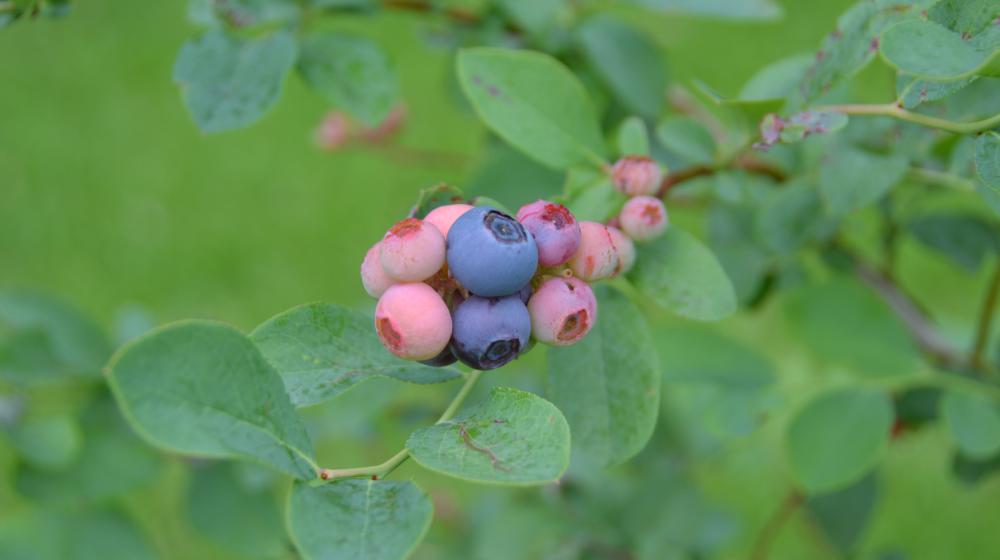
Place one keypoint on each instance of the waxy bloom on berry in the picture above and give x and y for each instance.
(563, 310)
(412, 251)
(444, 216)
(556, 231)
(626, 251)
(373, 276)
(597, 256)
(636, 175)
(413, 322)
(643, 218)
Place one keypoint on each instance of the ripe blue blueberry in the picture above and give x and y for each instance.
(445, 358)
(489, 332)
(490, 253)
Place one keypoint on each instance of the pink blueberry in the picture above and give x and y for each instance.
(563, 310)
(636, 175)
(373, 276)
(412, 251)
(444, 216)
(597, 256)
(412, 321)
(556, 231)
(626, 250)
(643, 218)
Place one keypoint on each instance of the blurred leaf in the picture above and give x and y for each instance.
(536, 16)
(513, 437)
(533, 102)
(988, 159)
(851, 46)
(321, 350)
(438, 195)
(521, 529)
(630, 62)
(633, 138)
(974, 423)
(131, 322)
(723, 9)
(838, 437)
(351, 72)
(354, 518)
(107, 535)
(590, 195)
(776, 80)
(687, 138)
(972, 471)
(967, 239)
(47, 442)
(927, 50)
(511, 177)
(912, 91)
(844, 514)
(203, 388)
(844, 323)
(791, 217)
(233, 517)
(242, 14)
(47, 340)
(696, 354)
(680, 274)
(918, 406)
(851, 179)
(230, 82)
(731, 237)
(608, 384)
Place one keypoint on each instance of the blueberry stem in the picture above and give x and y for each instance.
(383, 469)
(895, 111)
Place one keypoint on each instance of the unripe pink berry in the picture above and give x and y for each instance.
(373, 276)
(636, 175)
(412, 251)
(556, 231)
(597, 256)
(626, 251)
(444, 216)
(563, 310)
(333, 132)
(412, 321)
(643, 218)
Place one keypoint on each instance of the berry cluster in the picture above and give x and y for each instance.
(471, 283)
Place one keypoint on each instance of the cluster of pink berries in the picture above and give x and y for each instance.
(477, 285)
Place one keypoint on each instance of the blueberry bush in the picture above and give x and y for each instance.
(796, 201)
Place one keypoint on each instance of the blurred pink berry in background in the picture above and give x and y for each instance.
(636, 175)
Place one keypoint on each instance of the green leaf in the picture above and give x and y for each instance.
(838, 437)
(105, 534)
(633, 138)
(851, 179)
(629, 62)
(791, 217)
(534, 103)
(590, 196)
(230, 82)
(358, 519)
(322, 350)
(47, 442)
(512, 438)
(203, 388)
(351, 72)
(608, 384)
(988, 159)
(972, 471)
(687, 138)
(43, 339)
(927, 50)
(234, 517)
(536, 16)
(966, 238)
(682, 275)
(242, 14)
(967, 17)
(509, 176)
(844, 514)
(776, 80)
(731, 237)
(723, 9)
(974, 422)
(844, 323)
(851, 46)
(912, 91)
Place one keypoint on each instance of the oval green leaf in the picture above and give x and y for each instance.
(608, 384)
(229, 82)
(358, 519)
(687, 138)
(927, 50)
(974, 423)
(838, 437)
(203, 388)
(682, 275)
(534, 103)
(351, 72)
(512, 438)
(322, 350)
(633, 138)
(988, 159)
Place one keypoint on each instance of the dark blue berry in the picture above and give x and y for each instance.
(489, 332)
(490, 253)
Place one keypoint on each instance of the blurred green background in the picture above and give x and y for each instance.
(111, 199)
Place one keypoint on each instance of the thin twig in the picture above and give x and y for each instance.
(772, 527)
(897, 112)
(985, 322)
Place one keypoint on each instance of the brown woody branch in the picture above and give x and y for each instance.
(773, 526)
